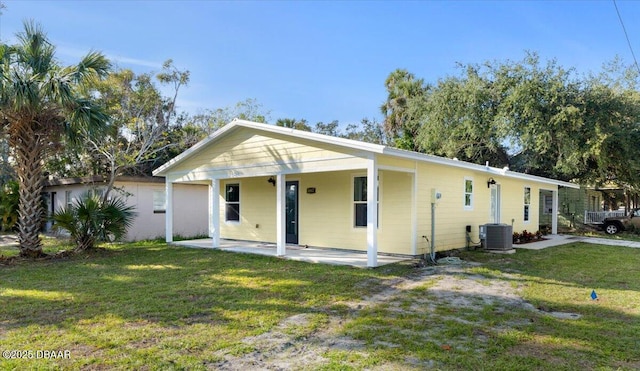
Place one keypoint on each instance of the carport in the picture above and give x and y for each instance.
(295, 252)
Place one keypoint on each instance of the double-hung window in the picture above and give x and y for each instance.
(360, 202)
(232, 202)
(159, 202)
(468, 194)
(68, 200)
(527, 203)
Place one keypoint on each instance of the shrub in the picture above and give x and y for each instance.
(526, 236)
(545, 229)
(91, 219)
(516, 237)
(9, 198)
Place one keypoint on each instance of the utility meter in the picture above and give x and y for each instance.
(435, 196)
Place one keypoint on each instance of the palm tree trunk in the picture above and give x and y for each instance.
(29, 149)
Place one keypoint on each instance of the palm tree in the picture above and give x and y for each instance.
(403, 92)
(40, 101)
(91, 219)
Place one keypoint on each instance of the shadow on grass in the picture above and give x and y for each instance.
(169, 285)
(153, 290)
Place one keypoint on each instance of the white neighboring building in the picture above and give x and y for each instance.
(147, 195)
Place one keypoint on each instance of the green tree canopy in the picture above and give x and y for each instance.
(294, 124)
(403, 108)
(534, 117)
(141, 117)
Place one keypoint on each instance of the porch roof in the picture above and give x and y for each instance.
(237, 124)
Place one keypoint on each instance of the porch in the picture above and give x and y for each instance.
(295, 252)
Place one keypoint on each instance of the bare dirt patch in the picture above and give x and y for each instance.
(293, 344)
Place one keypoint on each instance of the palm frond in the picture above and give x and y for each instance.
(90, 219)
(85, 118)
(118, 218)
(36, 51)
(93, 64)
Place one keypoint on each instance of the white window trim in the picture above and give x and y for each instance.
(68, 199)
(524, 192)
(464, 193)
(352, 202)
(224, 200)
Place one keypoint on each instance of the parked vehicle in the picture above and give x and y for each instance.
(615, 224)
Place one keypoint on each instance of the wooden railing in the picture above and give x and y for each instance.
(597, 217)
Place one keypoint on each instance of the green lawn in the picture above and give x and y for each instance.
(148, 304)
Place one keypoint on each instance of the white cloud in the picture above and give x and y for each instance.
(73, 54)
(133, 61)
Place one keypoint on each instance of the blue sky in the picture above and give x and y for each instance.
(323, 60)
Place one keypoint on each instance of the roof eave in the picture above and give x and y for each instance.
(471, 166)
(351, 144)
(342, 142)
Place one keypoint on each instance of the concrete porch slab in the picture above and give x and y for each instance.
(295, 252)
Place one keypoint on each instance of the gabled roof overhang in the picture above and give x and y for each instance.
(351, 145)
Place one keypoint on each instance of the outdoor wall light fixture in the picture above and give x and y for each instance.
(272, 180)
(490, 182)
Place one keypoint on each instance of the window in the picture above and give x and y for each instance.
(548, 205)
(527, 202)
(360, 201)
(68, 201)
(159, 202)
(232, 202)
(468, 194)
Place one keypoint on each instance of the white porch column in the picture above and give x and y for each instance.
(372, 213)
(168, 216)
(554, 212)
(281, 231)
(414, 213)
(214, 212)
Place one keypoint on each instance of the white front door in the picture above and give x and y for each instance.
(495, 204)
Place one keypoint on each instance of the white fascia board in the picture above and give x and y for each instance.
(355, 145)
(475, 167)
(162, 170)
(342, 142)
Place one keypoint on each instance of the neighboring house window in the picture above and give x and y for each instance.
(595, 204)
(232, 202)
(527, 202)
(159, 202)
(360, 201)
(68, 201)
(548, 205)
(468, 194)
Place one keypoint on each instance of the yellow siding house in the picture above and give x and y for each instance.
(274, 184)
